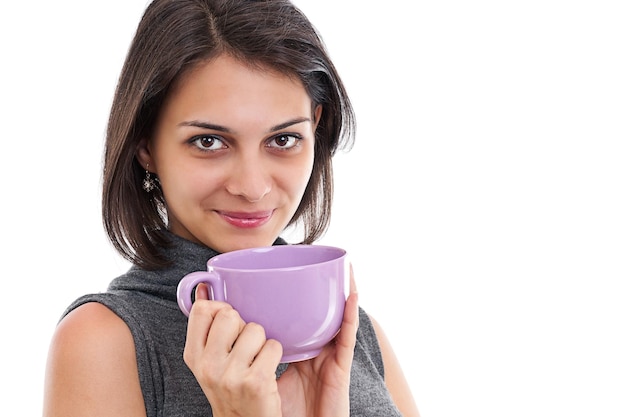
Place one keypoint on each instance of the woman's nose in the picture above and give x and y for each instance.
(249, 179)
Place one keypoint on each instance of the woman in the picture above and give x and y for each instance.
(221, 134)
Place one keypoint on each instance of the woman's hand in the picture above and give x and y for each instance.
(320, 387)
(235, 365)
(233, 361)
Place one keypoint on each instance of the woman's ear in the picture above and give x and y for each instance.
(317, 115)
(144, 156)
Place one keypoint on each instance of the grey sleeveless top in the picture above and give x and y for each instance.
(146, 301)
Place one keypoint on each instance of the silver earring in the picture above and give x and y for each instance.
(149, 183)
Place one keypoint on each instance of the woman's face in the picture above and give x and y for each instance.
(233, 150)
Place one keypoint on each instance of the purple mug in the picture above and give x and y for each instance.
(296, 292)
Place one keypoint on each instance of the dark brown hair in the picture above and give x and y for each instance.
(173, 37)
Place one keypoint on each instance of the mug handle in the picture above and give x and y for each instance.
(190, 281)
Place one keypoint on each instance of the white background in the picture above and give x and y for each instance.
(483, 204)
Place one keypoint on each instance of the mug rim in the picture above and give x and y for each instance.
(341, 253)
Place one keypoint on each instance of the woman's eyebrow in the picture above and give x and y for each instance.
(205, 125)
(289, 123)
(219, 128)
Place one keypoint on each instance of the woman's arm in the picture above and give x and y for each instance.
(394, 377)
(92, 369)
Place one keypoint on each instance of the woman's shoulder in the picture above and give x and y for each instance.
(91, 361)
(93, 320)
(389, 367)
(90, 330)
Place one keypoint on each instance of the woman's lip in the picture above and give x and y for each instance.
(246, 220)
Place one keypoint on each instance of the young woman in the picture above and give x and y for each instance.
(221, 134)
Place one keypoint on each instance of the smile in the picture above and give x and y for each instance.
(246, 220)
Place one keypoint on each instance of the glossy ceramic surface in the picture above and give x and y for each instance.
(296, 292)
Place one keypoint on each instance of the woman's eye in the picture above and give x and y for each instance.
(284, 141)
(208, 143)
